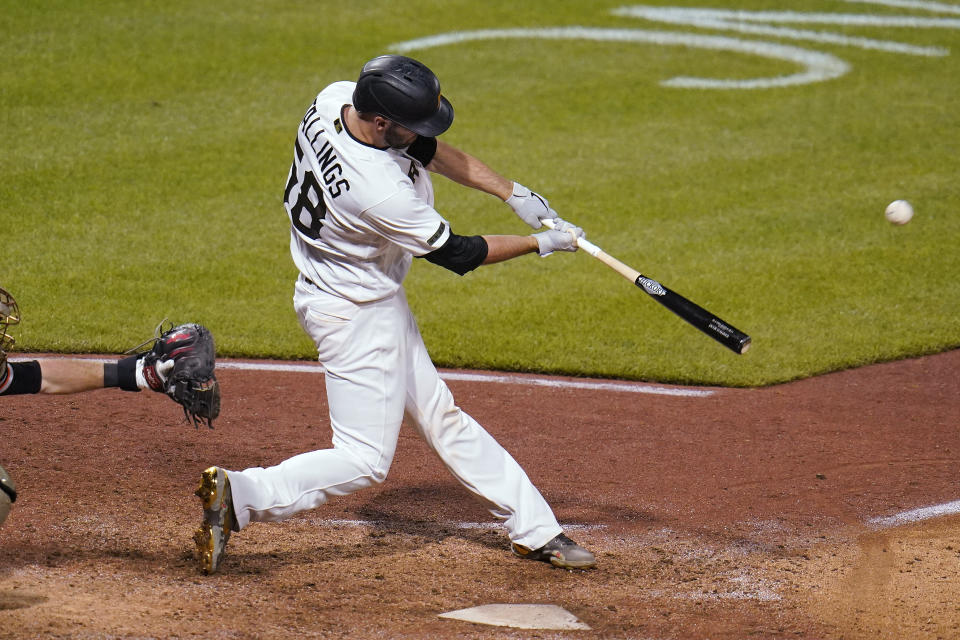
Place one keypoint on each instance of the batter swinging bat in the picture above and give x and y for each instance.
(728, 336)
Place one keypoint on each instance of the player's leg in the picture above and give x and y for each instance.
(471, 454)
(359, 348)
(484, 467)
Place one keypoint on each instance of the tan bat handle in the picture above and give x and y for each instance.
(626, 271)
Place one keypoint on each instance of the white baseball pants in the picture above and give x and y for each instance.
(377, 368)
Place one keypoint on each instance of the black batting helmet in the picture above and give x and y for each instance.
(405, 91)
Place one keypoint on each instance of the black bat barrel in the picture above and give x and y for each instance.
(724, 333)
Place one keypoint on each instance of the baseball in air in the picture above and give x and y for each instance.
(899, 212)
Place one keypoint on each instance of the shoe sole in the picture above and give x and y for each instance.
(573, 564)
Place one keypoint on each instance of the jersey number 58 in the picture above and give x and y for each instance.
(304, 199)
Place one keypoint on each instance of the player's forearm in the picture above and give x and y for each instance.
(71, 376)
(469, 171)
(54, 376)
(500, 248)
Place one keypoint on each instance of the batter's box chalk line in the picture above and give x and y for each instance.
(337, 522)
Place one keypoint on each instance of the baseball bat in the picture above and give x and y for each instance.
(723, 332)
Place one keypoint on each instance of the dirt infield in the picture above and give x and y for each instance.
(741, 514)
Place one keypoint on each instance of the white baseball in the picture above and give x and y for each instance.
(899, 212)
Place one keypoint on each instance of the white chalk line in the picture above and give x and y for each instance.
(746, 22)
(499, 379)
(573, 384)
(334, 522)
(913, 4)
(917, 515)
(904, 517)
(817, 66)
(623, 387)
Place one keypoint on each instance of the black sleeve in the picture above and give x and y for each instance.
(22, 377)
(423, 149)
(459, 254)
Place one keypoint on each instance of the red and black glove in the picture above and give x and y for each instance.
(181, 364)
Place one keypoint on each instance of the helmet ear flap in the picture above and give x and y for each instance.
(363, 95)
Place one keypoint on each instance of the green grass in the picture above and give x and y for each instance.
(146, 145)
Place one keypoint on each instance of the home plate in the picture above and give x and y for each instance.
(521, 616)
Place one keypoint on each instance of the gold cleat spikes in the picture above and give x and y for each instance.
(203, 538)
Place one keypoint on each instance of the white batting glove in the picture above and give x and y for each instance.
(562, 225)
(557, 239)
(530, 206)
(161, 370)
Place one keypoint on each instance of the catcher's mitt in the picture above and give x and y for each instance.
(181, 364)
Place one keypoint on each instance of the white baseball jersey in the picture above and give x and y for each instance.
(358, 214)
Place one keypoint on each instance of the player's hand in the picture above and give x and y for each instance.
(557, 240)
(562, 225)
(152, 373)
(165, 368)
(529, 206)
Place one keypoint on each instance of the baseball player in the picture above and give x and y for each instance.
(360, 203)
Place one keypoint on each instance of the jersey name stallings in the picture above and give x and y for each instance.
(328, 160)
